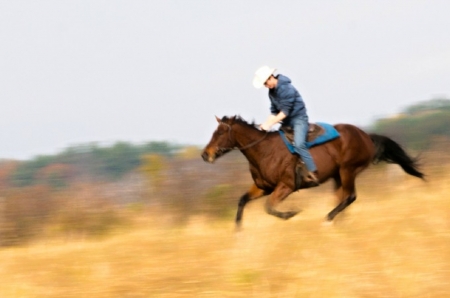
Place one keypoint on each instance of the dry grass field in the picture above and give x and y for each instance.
(394, 241)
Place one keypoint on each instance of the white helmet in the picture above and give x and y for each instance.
(261, 76)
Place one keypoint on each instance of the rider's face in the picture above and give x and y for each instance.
(271, 82)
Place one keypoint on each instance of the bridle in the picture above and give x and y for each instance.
(243, 147)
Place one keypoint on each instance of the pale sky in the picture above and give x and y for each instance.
(74, 72)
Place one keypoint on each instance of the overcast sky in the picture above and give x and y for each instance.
(74, 72)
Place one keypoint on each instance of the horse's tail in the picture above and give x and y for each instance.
(389, 151)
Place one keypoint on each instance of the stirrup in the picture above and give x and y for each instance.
(312, 179)
(300, 173)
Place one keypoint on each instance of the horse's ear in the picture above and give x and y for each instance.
(218, 119)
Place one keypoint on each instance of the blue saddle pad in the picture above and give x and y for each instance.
(330, 134)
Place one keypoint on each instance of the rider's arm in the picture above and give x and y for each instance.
(273, 119)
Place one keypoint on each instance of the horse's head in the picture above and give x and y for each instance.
(221, 141)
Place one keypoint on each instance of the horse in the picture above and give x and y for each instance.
(272, 165)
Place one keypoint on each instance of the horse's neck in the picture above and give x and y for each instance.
(245, 135)
(251, 140)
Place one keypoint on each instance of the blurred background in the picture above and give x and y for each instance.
(154, 220)
(106, 105)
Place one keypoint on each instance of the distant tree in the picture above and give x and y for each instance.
(93, 161)
(153, 166)
(419, 125)
(437, 104)
(161, 148)
(25, 172)
(189, 152)
(56, 175)
(7, 168)
(115, 161)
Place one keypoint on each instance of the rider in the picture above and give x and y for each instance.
(287, 106)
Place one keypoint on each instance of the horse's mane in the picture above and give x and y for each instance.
(237, 119)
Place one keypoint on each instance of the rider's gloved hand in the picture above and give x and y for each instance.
(265, 126)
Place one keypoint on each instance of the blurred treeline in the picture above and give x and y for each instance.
(90, 161)
(421, 126)
(92, 190)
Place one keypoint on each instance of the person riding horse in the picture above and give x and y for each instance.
(288, 107)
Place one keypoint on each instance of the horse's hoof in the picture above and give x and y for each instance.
(289, 214)
(327, 223)
(238, 227)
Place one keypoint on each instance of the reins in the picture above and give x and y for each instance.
(243, 147)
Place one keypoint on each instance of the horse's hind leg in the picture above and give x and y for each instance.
(279, 194)
(345, 189)
(252, 194)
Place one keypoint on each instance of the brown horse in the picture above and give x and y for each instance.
(272, 166)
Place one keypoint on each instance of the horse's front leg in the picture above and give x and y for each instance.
(252, 194)
(279, 194)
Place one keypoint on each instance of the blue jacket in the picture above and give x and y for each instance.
(285, 98)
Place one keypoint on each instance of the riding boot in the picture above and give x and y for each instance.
(312, 178)
(302, 176)
(301, 173)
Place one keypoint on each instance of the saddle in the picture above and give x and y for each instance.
(317, 134)
(314, 131)
(301, 172)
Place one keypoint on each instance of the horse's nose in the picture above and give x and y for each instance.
(205, 156)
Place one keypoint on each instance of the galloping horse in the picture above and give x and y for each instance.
(272, 166)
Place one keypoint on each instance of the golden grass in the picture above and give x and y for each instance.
(394, 241)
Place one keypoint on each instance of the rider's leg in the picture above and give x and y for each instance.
(300, 126)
